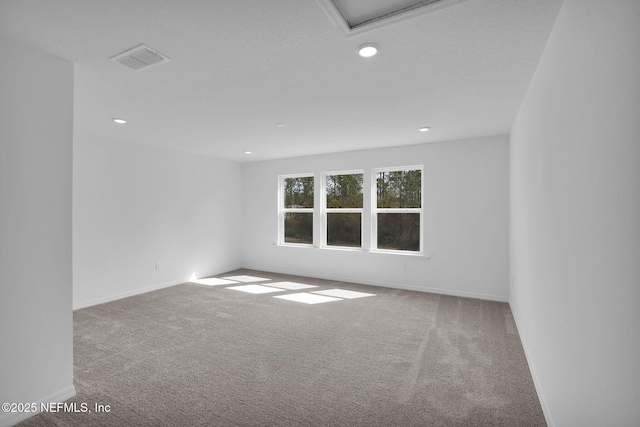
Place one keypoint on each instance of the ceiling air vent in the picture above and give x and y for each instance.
(140, 57)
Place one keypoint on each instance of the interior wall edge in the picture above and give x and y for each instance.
(536, 380)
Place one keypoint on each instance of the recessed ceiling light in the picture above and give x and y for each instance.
(247, 152)
(424, 129)
(120, 121)
(367, 50)
(280, 125)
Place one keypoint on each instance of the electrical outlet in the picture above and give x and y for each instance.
(157, 266)
(404, 266)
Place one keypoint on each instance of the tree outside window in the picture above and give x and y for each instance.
(398, 209)
(344, 209)
(394, 216)
(297, 208)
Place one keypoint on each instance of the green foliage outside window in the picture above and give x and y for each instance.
(399, 189)
(344, 229)
(298, 228)
(344, 191)
(398, 204)
(298, 192)
(399, 231)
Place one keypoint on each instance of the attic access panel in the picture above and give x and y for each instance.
(357, 16)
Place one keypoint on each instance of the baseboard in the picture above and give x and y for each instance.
(532, 369)
(8, 419)
(139, 291)
(126, 294)
(393, 285)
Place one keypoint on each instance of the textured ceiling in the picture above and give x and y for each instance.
(239, 67)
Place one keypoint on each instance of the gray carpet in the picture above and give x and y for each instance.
(196, 355)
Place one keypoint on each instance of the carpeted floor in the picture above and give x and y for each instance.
(201, 354)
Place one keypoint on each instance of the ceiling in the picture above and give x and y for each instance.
(238, 68)
(358, 12)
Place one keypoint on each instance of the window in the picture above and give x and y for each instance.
(398, 209)
(343, 209)
(297, 210)
(378, 210)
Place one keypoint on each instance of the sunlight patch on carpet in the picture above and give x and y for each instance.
(292, 286)
(308, 298)
(343, 293)
(255, 289)
(247, 279)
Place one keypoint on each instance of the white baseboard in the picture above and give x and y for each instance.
(393, 285)
(8, 419)
(126, 294)
(532, 369)
(139, 291)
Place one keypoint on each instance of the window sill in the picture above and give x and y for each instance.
(295, 245)
(356, 250)
(402, 253)
(342, 248)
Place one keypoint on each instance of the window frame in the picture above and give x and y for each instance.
(375, 210)
(324, 210)
(282, 210)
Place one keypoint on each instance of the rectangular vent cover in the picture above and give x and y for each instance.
(140, 57)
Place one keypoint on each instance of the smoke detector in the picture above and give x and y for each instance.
(140, 57)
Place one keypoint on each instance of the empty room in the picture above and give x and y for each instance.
(319, 213)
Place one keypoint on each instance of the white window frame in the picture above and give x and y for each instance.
(325, 210)
(375, 210)
(282, 210)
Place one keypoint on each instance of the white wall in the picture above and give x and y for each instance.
(135, 206)
(36, 131)
(575, 211)
(466, 220)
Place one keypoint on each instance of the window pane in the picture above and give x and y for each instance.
(399, 231)
(344, 191)
(298, 192)
(298, 228)
(399, 189)
(343, 229)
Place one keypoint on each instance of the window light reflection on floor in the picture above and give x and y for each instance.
(255, 289)
(343, 293)
(291, 286)
(246, 279)
(312, 297)
(307, 298)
